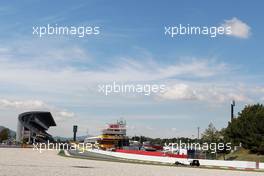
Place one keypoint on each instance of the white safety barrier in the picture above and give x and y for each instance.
(232, 164)
(261, 165)
(171, 160)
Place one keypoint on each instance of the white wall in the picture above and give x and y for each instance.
(261, 165)
(237, 164)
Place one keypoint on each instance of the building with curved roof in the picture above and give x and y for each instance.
(32, 127)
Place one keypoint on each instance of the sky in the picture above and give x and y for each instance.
(61, 73)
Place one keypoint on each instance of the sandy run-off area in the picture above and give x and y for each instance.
(26, 162)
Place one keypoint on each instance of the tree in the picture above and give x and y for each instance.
(211, 134)
(4, 134)
(248, 129)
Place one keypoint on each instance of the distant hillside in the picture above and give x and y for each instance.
(11, 132)
(78, 138)
(1, 128)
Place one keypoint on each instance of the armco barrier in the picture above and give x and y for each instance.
(171, 160)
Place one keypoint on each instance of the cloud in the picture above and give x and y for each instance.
(50, 62)
(239, 28)
(71, 53)
(204, 92)
(27, 104)
(65, 114)
(36, 105)
(174, 129)
(49, 70)
(184, 75)
(46, 77)
(179, 92)
(193, 67)
(44, 54)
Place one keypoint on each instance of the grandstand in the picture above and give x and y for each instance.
(32, 127)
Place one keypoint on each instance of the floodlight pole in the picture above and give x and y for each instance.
(232, 110)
